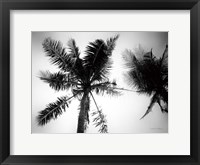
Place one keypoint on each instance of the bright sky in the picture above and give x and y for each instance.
(123, 113)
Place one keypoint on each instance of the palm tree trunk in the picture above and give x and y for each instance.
(83, 114)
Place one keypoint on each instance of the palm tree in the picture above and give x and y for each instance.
(149, 75)
(82, 76)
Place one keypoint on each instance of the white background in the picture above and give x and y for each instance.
(176, 142)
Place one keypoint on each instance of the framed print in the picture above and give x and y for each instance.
(102, 82)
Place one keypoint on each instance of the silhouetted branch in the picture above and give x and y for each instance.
(97, 60)
(57, 81)
(56, 53)
(153, 101)
(94, 101)
(100, 119)
(74, 50)
(124, 89)
(53, 110)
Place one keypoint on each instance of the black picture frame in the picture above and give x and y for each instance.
(7, 5)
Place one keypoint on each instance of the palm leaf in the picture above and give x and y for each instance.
(139, 51)
(100, 118)
(111, 43)
(105, 65)
(57, 54)
(164, 58)
(164, 66)
(101, 90)
(57, 81)
(95, 52)
(100, 121)
(149, 56)
(106, 88)
(153, 101)
(67, 62)
(78, 62)
(73, 49)
(97, 60)
(131, 62)
(163, 109)
(52, 111)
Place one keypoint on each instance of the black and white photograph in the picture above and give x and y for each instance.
(113, 82)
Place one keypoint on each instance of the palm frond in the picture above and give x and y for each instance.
(136, 78)
(164, 95)
(106, 88)
(57, 54)
(100, 118)
(95, 52)
(103, 70)
(124, 89)
(73, 49)
(164, 58)
(70, 63)
(131, 62)
(153, 101)
(149, 56)
(164, 66)
(101, 74)
(78, 62)
(52, 111)
(162, 108)
(57, 81)
(111, 43)
(97, 60)
(79, 70)
(139, 51)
